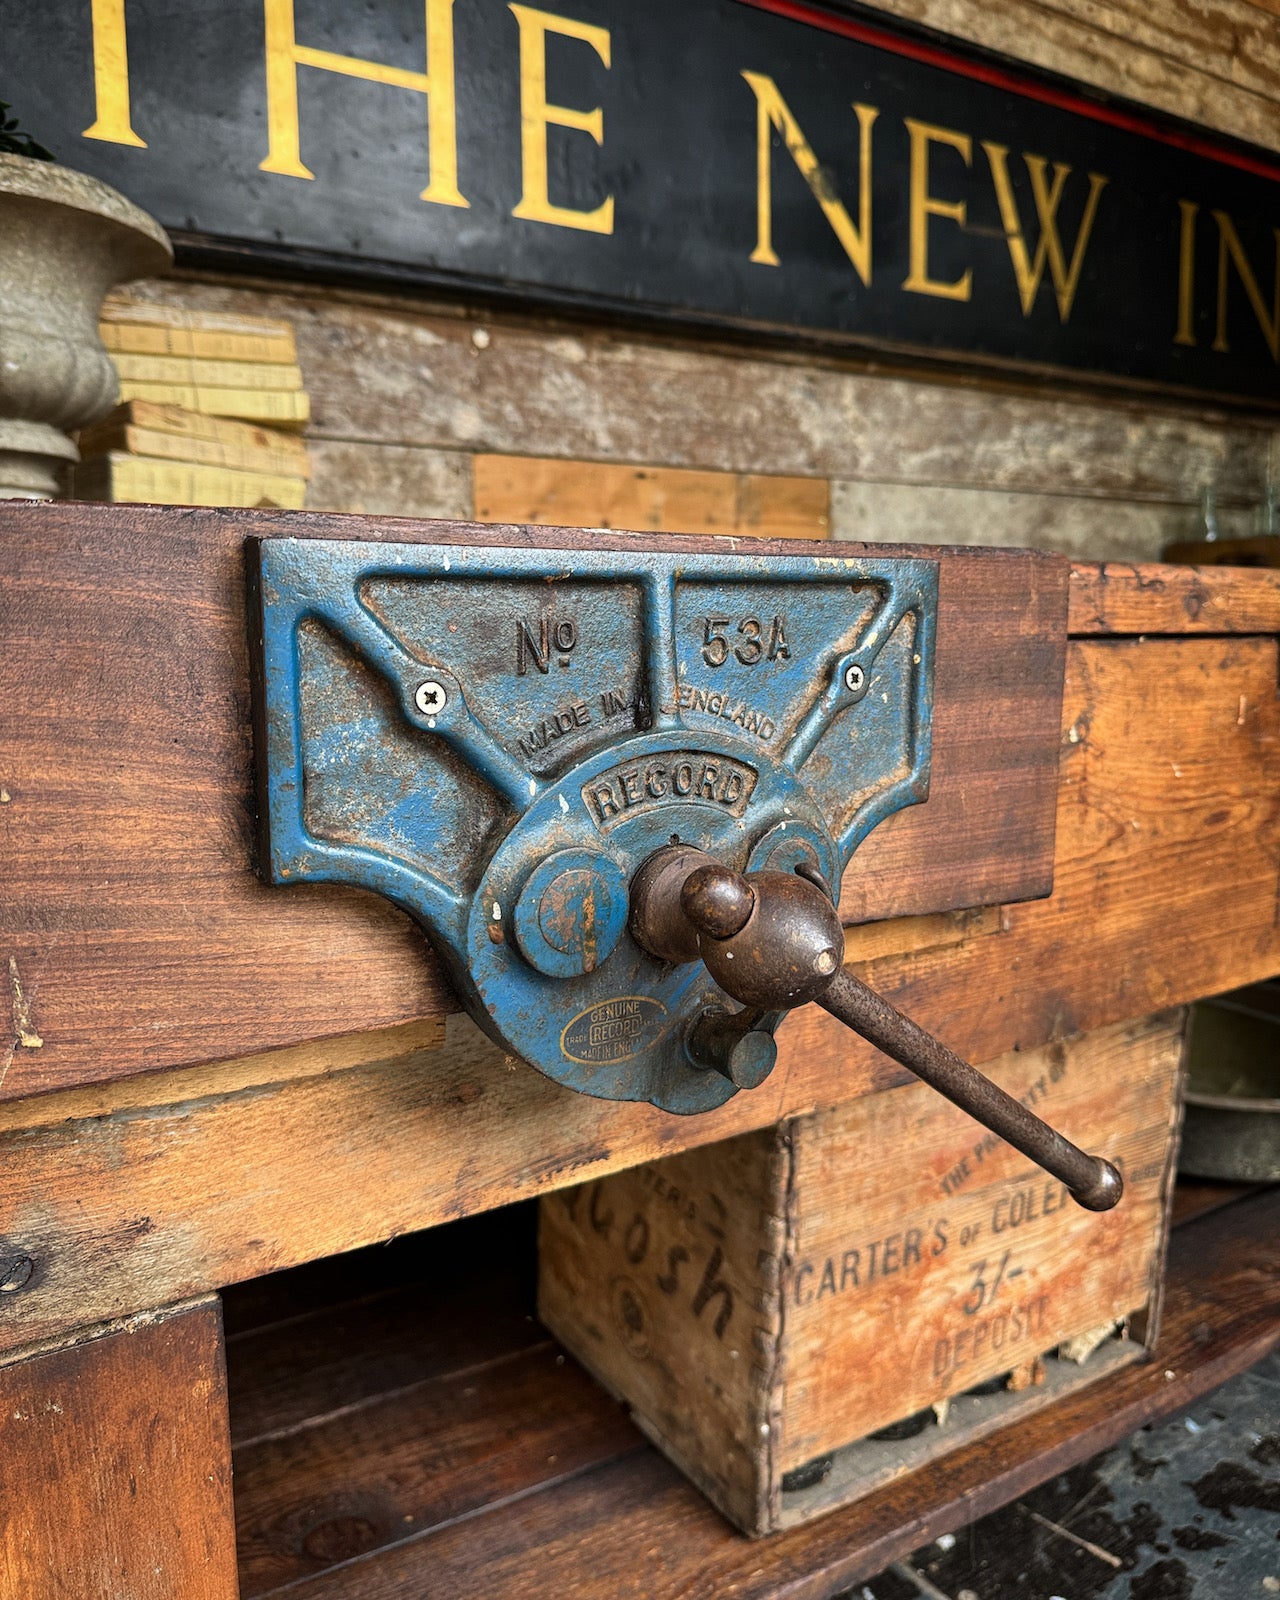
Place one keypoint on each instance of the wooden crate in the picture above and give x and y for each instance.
(769, 1305)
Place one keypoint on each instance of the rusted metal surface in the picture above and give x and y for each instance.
(785, 949)
(773, 940)
(498, 738)
(736, 1044)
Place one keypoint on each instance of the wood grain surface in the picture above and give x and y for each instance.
(413, 1458)
(136, 932)
(607, 494)
(772, 1299)
(667, 1282)
(115, 1466)
(390, 480)
(1167, 879)
(629, 1527)
(1035, 1261)
(1119, 598)
(1214, 64)
(1080, 525)
(407, 393)
(398, 371)
(989, 819)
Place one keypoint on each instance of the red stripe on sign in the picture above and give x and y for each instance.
(1000, 78)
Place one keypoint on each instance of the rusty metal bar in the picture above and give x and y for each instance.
(1093, 1182)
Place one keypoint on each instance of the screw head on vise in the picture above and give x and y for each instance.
(431, 697)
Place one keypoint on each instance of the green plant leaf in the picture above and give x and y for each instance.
(15, 142)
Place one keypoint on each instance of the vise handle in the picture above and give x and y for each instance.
(772, 941)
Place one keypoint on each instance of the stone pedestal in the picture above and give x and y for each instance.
(67, 240)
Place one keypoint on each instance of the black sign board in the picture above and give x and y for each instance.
(761, 164)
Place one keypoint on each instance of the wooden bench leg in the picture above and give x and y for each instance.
(115, 1464)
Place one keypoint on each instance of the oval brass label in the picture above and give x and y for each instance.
(614, 1030)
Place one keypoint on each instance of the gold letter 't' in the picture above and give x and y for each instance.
(111, 76)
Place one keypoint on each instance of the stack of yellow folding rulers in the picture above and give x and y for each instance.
(210, 413)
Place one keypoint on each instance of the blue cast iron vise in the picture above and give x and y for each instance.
(497, 738)
(617, 790)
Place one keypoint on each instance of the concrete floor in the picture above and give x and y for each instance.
(1186, 1510)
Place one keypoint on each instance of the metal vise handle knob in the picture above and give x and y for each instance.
(773, 940)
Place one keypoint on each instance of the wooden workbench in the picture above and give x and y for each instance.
(208, 1080)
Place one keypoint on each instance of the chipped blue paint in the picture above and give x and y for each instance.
(435, 722)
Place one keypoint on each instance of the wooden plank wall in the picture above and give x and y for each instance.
(1215, 62)
(425, 410)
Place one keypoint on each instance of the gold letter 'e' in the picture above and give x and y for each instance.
(536, 116)
(924, 206)
(285, 55)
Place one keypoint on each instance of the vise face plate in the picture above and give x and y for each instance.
(496, 738)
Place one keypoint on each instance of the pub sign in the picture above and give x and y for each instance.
(768, 165)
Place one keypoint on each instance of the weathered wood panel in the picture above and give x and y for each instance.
(897, 936)
(394, 371)
(1213, 63)
(992, 792)
(776, 1298)
(139, 935)
(115, 1466)
(389, 480)
(666, 1282)
(342, 1331)
(1074, 525)
(1118, 598)
(373, 1474)
(222, 1187)
(884, 1336)
(394, 377)
(1167, 877)
(136, 931)
(598, 494)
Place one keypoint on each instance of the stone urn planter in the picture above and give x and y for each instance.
(65, 239)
